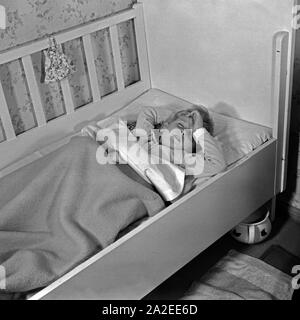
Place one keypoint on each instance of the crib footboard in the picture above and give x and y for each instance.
(137, 263)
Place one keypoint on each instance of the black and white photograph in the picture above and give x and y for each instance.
(149, 152)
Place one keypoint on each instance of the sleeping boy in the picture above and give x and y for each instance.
(173, 153)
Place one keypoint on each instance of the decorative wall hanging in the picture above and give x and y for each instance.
(55, 64)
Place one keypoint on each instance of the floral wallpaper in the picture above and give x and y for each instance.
(78, 80)
(128, 52)
(17, 96)
(104, 62)
(28, 20)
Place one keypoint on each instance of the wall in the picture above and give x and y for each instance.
(226, 61)
(28, 20)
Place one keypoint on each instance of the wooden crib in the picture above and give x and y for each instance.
(205, 52)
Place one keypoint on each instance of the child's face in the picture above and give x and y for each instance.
(183, 120)
(181, 126)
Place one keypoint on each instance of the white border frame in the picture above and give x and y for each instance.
(126, 269)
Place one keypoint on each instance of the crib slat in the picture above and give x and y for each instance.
(117, 56)
(5, 116)
(141, 43)
(90, 59)
(34, 90)
(67, 93)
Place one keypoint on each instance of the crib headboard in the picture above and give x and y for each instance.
(15, 146)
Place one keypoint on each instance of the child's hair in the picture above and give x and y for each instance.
(207, 122)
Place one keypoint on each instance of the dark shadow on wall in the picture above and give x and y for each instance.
(226, 110)
(293, 158)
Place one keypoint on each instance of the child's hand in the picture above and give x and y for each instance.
(197, 120)
(188, 140)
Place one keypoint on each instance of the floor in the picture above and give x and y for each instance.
(285, 233)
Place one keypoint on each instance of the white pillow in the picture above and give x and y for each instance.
(237, 137)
